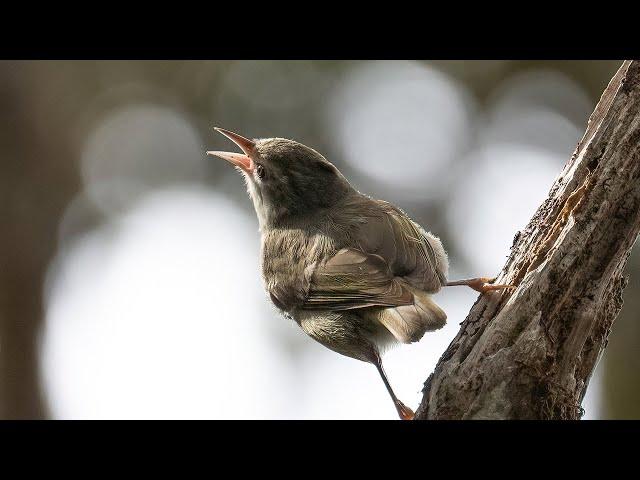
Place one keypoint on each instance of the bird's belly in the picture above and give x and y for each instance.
(345, 332)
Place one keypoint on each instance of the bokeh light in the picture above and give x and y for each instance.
(402, 124)
(135, 149)
(160, 314)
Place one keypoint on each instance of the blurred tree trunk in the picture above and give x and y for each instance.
(35, 186)
(529, 353)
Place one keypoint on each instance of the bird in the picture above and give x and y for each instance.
(355, 273)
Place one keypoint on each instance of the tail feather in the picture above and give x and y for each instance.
(408, 323)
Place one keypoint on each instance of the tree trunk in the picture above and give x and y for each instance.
(528, 353)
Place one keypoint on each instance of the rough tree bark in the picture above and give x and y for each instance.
(529, 353)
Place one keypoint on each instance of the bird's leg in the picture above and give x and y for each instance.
(404, 412)
(481, 284)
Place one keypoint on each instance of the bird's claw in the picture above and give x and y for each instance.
(485, 284)
(404, 412)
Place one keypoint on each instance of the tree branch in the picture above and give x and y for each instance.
(529, 353)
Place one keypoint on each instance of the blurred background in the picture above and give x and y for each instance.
(129, 272)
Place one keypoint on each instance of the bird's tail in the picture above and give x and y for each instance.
(408, 323)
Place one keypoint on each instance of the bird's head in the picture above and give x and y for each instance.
(287, 181)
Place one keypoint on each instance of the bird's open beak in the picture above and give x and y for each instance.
(239, 160)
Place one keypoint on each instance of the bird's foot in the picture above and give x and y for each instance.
(404, 412)
(485, 284)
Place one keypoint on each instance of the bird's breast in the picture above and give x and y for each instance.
(288, 258)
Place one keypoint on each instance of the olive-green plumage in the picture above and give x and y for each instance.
(344, 266)
(355, 273)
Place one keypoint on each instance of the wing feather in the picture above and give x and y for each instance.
(411, 233)
(354, 279)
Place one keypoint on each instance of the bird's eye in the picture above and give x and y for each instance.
(260, 171)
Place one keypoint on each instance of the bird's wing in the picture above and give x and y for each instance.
(405, 246)
(414, 235)
(354, 279)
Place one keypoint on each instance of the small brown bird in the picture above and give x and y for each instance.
(356, 274)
